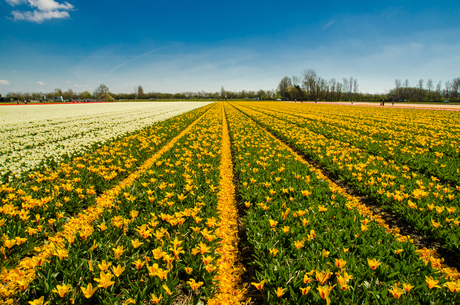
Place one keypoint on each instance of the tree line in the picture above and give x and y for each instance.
(427, 92)
(138, 93)
(309, 86)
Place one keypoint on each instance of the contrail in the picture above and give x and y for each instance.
(329, 24)
(132, 59)
(232, 65)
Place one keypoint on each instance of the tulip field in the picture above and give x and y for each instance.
(228, 203)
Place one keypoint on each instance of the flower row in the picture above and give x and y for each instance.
(156, 241)
(430, 206)
(385, 143)
(49, 201)
(311, 241)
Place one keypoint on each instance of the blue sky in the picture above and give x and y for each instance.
(177, 46)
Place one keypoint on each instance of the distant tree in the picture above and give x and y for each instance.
(420, 84)
(293, 92)
(355, 85)
(140, 92)
(406, 83)
(339, 91)
(57, 92)
(295, 80)
(102, 89)
(285, 83)
(68, 94)
(448, 85)
(429, 85)
(261, 94)
(309, 82)
(346, 85)
(85, 95)
(455, 87)
(333, 89)
(17, 95)
(398, 85)
(36, 95)
(438, 88)
(223, 94)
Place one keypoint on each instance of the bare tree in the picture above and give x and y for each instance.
(438, 88)
(429, 85)
(406, 83)
(333, 88)
(309, 81)
(102, 89)
(455, 87)
(448, 85)
(346, 84)
(295, 80)
(355, 86)
(398, 85)
(420, 84)
(339, 90)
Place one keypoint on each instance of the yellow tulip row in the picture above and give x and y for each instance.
(231, 289)
(271, 171)
(41, 205)
(430, 206)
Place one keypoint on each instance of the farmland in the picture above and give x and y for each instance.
(231, 203)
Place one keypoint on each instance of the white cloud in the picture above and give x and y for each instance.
(41, 83)
(67, 81)
(49, 5)
(4, 82)
(38, 16)
(15, 2)
(44, 10)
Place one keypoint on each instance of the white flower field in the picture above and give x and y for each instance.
(34, 134)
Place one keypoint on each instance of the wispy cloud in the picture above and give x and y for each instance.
(15, 2)
(38, 16)
(41, 83)
(43, 10)
(4, 82)
(232, 65)
(130, 60)
(330, 23)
